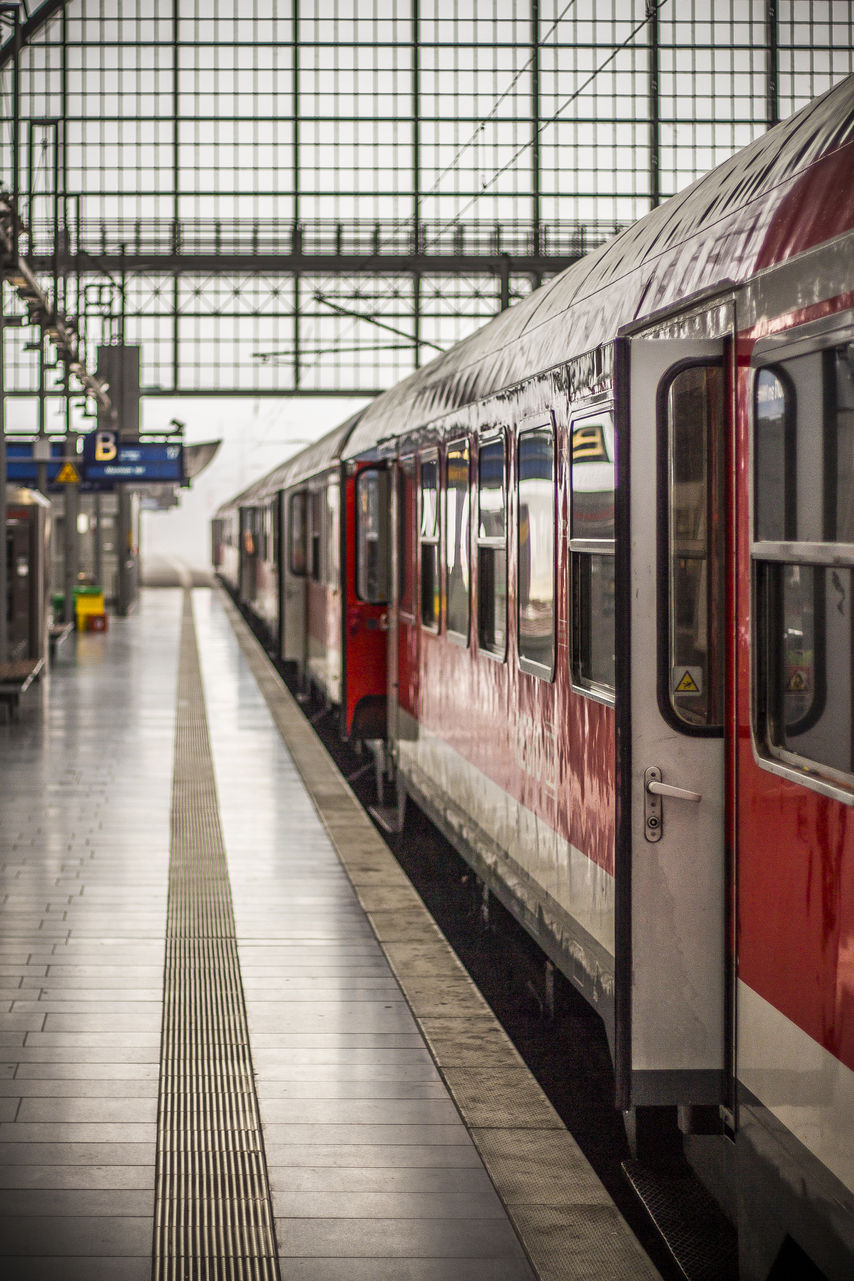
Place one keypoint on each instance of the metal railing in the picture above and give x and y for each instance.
(271, 237)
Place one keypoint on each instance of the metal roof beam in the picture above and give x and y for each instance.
(309, 264)
(30, 28)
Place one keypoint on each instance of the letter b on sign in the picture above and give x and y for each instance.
(105, 446)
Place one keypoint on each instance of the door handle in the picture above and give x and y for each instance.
(667, 789)
(653, 790)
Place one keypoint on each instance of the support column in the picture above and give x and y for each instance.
(504, 280)
(416, 319)
(71, 538)
(296, 181)
(536, 161)
(654, 116)
(176, 200)
(772, 65)
(4, 577)
(417, 247)
(42, 448)
(124, 586)
(98, 541)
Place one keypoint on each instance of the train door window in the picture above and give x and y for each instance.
(457, 540)
(429, 540)
(332, 534)
(372, 545)
(251, 537)
(406, 535)
(274, 531)
(492, 548)
(536, 510)
(692, 462)
(315, 545)
(298, 533)
(774, 456)
(803, 562)
(10, 574)
(591, 547)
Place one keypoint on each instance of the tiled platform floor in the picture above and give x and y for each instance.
(376, 1165)
(372, 1171)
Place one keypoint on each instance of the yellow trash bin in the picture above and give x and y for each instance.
(87, 601)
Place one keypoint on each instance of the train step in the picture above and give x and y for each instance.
(387, 817)
(696, 1232)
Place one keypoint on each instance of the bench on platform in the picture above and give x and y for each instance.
(58, 634)
(15, 679)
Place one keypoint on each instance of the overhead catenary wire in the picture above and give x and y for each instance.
(487, 183)
(496, 174)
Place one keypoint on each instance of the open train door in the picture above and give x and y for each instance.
(247, 554)
(293, 569)
(364, 615)
(674, 413)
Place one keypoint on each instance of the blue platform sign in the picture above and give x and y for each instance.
(141, 463)
(103, 464)
(22, 468)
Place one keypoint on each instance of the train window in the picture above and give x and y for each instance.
(429, 538)
(492, 548)
(315, 543)
(297, 533)
(775, 472)
(372, 560)
(274, 531)
(457, 539)
(406, 535)
(803, 565)
(536, 551)
(332, 534)
(691, 662)
(591, 549)
(251, 536)
(840, 380)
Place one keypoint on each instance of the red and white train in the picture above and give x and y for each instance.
(586, 581)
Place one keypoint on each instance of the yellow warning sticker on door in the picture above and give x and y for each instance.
(68, 475)
(798, 682)
(688, 680)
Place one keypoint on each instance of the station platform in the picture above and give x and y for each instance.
(233, 1044)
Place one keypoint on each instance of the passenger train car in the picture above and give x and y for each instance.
(588, 588)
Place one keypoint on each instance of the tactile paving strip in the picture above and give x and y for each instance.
(213, 1217)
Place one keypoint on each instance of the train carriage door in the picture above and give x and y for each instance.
(279, 545)
(366, 579)
(402, 631)
(294, 517)
(674, 404)
(247, 553)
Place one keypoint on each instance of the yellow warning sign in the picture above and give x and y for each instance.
(688, 680)
(68, 475)
(798, 682)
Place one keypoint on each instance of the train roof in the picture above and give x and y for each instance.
(722, 228)
(311, 460)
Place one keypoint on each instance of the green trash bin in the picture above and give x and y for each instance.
(88, 603)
